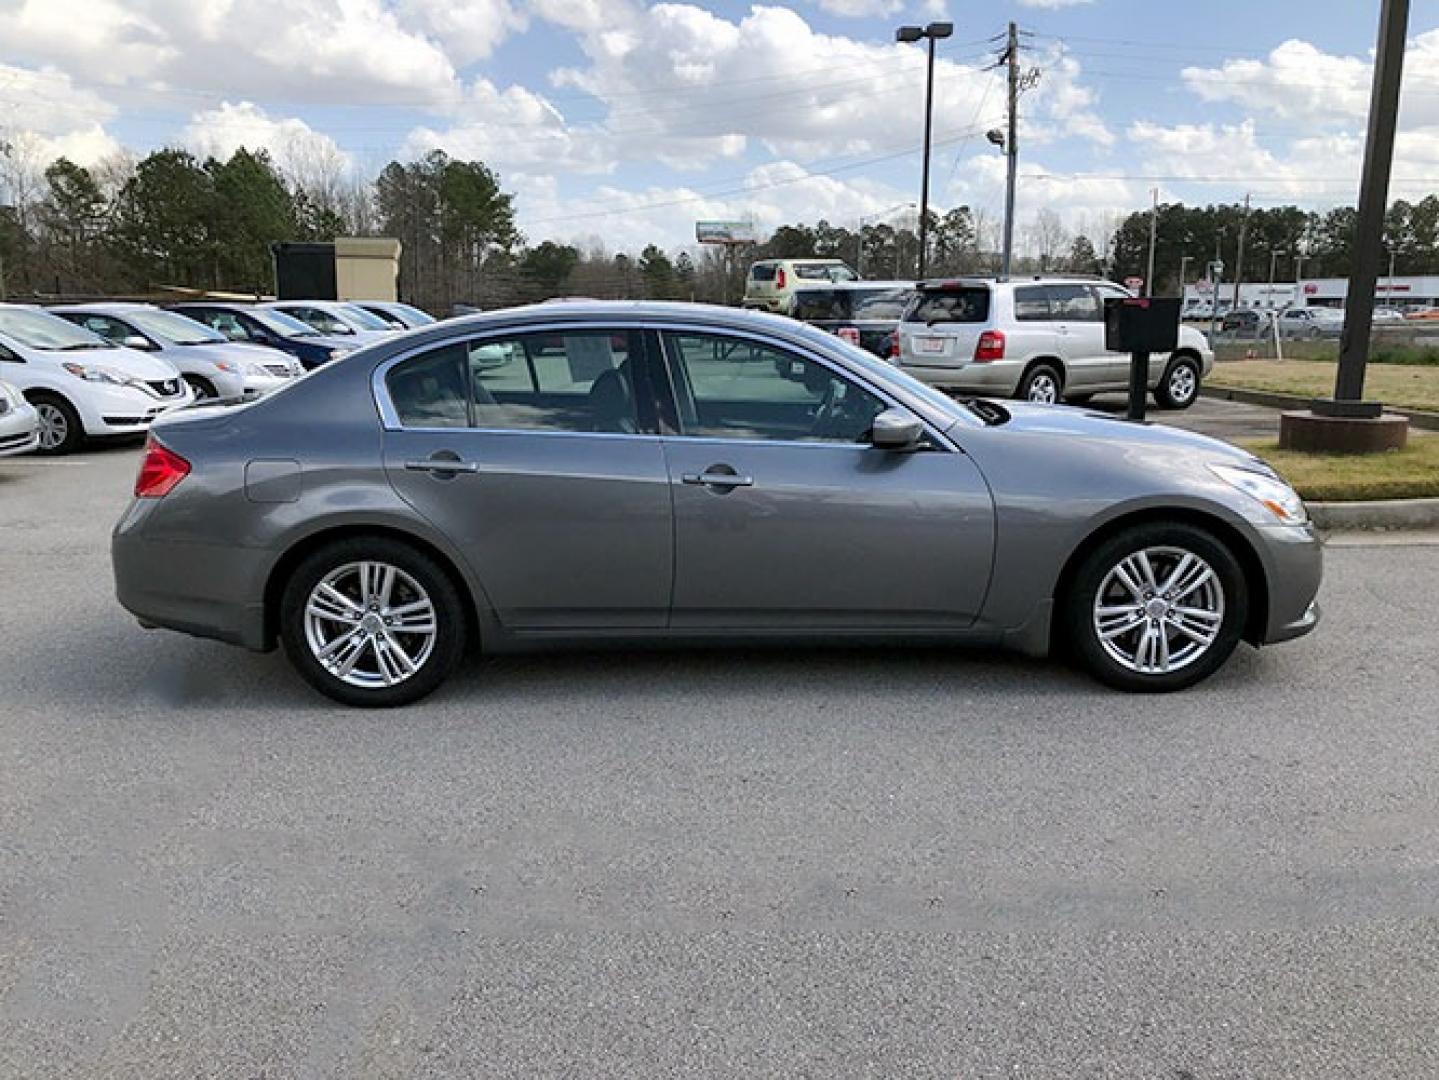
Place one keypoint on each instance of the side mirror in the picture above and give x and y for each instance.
(135, 341)
(896, 429)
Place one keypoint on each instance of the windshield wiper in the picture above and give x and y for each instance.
(991, 413)
(81, 346)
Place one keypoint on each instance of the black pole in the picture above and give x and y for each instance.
(1373, 201)
(1138, 384)
(924, 182)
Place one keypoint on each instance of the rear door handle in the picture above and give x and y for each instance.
(442, 465)
(712, 478)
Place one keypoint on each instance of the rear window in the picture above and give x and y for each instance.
(855, 304)
(762, 272)
(967, 304)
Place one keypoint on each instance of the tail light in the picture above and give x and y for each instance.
(779, 278)
(894, 344)
(990, 346)
(849, 334)
(160, 471)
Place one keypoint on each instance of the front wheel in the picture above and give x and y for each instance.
(1042, 384)
(1179, 388)
(1157, 607)
(372, 622)
(61, 431)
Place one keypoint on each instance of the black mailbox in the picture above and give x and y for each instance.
(1148, 324)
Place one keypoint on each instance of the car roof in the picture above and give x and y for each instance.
(102, 307)
(845, 286)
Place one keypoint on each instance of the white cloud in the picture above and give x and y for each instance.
(860, 9)
(467, 30)
(294, 146)
(1052, 5)
(46, 116)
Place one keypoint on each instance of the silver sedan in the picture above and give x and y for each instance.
(661, 472)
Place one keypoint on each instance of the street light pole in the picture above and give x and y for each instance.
(934, 32)
(1184, 262)
(1153, 235)
(1011, 148)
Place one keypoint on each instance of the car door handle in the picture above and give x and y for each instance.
(713, 478)
(442, 465)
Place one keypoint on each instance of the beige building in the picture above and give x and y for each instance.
(367, 268)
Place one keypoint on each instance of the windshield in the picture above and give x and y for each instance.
(414, 314)
(362, 318)
(962, 304)
(176, 329)
(880, 303)
(50, 333)
(282, 324)
(320, 321)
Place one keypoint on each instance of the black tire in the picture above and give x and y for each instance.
(1179, 386)
(1078, 608)
(1036, 379)
(450, 624)
(57, 414)
(203, 388)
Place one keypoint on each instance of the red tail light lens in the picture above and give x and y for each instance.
(849, 334)
(894, 344)
(779, 278)
(161, 470)
(990, 346)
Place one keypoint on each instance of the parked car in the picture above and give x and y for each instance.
(19, 422)
(772, 282)
(80, 384)
(864, 313)
(1311, 322)
(1039, 339)
(1388, 316)
(1246, 322)
(641, 472)
(1427, 314)
(261, 326)
(399, 316)
(335, 318)
(214, 366)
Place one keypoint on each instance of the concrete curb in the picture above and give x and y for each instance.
(1380, 514)
(1417, 418)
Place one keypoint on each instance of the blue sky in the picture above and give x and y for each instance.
(617, 122)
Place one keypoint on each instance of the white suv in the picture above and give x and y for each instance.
(772, 282)
(1040, 339)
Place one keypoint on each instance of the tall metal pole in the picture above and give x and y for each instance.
(1184, 262)
(1214, 285)
(1373, 199)
(924, 182)
(1011, 147)
(1239, 259)
(1153, 234)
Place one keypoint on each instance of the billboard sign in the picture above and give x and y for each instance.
(725, 232)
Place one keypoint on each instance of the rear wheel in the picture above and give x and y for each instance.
(1157, 607)
(372, 622)
(61, 431)
(1179, 387)
(1041, 384)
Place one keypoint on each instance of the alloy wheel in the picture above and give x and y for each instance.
(1182, 383)
(1043, 390)
(54, 425)
(370, 624)
(1158, 610)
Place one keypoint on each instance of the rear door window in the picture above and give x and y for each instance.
(961, 305)
(1031, 304)
(1074, 303)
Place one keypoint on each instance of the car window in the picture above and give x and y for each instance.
(1031, 303)
(576, 382)
(967, 304)
(736, 389)
(319, 320)
(762, 272)
(1074, 303)
(110, 329)
(225, 322)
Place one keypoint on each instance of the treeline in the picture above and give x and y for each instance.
(132, 227)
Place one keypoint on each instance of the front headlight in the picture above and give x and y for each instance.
(1272, 493)
(227, 366)
(92, 373)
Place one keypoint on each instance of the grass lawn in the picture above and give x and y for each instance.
(1406, 386)
(1411, 473)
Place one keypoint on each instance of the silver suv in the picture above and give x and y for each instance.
(1039, 339)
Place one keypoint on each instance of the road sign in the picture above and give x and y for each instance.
(1134, 284)
(1310, 288)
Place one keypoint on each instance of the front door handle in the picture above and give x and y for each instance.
(442, 465)
(716, 477)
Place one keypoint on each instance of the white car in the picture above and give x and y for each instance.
(1311, 322)
(19, 423)
(80, 384)
(771, 283)
(214, 366)
(399, 316)
(336, 318)
(1038, 339)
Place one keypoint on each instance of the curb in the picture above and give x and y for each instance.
(1379, 514)
(1429, 421)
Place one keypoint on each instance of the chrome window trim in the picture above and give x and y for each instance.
(390, 419)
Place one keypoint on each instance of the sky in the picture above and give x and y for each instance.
(620, 123)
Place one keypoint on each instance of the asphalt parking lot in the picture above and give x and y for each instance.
(833, 863)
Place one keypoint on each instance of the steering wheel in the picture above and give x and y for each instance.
(827, 411)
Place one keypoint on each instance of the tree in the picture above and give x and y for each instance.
(164, 221)
(1082, 258)
(1049, 237)
(548, 267)
(685, 275)
(658, 274)
(253, 211)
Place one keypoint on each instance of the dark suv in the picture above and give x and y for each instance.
(865, 313)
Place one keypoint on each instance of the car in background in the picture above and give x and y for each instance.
(1311, 323)
(399, 316)
(864, 313)
(19, 422)
(1425, 314)
(1039, 340)
(214, 366)
(261, 326)
(1388, 316)
(673, 472)
(335, 318)
(80, 384)
(771, 283)
(1246, 322)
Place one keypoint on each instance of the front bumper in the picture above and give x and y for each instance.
(123, 410)
(1293, 559)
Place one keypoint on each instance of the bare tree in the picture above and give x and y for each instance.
(1048, 237)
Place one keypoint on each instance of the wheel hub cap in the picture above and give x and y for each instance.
(370, 624)
(1158, 610)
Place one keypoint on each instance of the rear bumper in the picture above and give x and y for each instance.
(998, 377)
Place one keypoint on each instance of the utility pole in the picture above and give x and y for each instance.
(1153, 234)
(1184, 262)
(1239, 260)
(934, 32)
(1011, 147)
(1216, 273)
